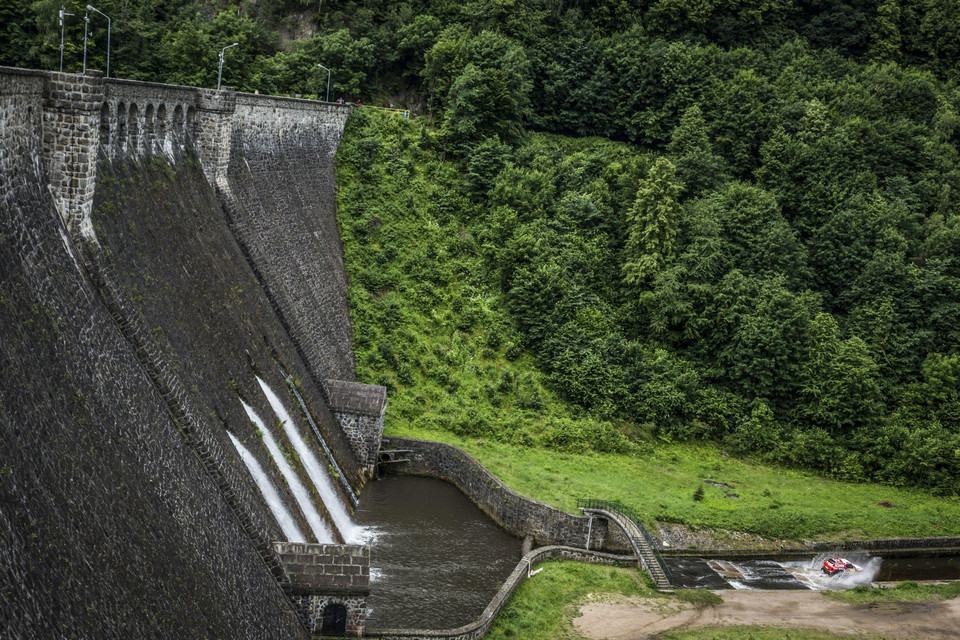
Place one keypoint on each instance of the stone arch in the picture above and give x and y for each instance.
(160, 129)
(105, 129)
(120, 136)
(178, 126)
(133, 124)
(149, 129)
(191, 125)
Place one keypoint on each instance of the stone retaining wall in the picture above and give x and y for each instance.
(518, 515)
(479, 627)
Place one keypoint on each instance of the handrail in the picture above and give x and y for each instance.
(618, 507)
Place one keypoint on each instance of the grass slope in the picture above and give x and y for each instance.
(429, 324)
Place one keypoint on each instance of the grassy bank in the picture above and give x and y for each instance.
(659, 483)
(903, 592)
(544, 606)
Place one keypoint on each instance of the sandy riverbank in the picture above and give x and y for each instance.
(640, 619)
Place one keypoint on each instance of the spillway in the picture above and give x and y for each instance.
(318, 473)
(280, 512)
(320, 529)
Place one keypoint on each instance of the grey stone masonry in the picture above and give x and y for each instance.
(321, 575)
(214, 128)
(322, 569)
(360, 409)
(71, 130)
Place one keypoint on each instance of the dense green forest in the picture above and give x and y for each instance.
(620, 221)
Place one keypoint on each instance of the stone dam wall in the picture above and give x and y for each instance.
(140, 300)
(109, 524)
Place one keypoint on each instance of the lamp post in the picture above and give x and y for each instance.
(109, 22)
(86, 23)
(63, 14)
(220, 66)
(328, 81)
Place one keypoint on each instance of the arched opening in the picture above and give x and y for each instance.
(104, 145)
(160, 131)
(334, 619)
(178, 136)
(191, 125)
(149, 137)
(133, 124)
(120, 137)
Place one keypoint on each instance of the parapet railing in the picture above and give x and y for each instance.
(618, 507)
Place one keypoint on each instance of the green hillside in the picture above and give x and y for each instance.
(464, 356)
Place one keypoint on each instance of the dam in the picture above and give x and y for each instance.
(152, 302)
(184, 439)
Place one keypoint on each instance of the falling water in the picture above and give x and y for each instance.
(319, 527)
(338, 473)
(318, 473)
(283, 517)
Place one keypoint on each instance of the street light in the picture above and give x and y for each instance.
(63, 14)
(220, 67)
(328, 81)
(86, 23)
(109, 22)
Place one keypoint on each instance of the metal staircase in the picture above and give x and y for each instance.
(642, 542)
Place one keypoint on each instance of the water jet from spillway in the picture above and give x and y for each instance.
(277, 508)
(318, 473)
(320, 529)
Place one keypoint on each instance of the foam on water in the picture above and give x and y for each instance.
(318, 473)
(277, 508)
(320, 529)
(809, 571)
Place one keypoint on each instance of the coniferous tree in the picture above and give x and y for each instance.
(653, 224)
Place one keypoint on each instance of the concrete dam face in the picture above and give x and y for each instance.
(170, 267)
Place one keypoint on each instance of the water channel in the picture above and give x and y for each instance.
(804, 573)
(436, 559)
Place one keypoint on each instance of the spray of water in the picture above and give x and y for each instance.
(277, 508)
(809, 571)
(320, 529)
(318, 473)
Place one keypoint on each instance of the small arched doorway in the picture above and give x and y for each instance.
(334, 619)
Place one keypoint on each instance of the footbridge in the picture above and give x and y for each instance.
(640, 539)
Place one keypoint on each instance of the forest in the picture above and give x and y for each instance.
(620, 222)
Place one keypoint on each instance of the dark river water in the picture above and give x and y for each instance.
(436, 559)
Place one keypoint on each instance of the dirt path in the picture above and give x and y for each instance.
(635, 620)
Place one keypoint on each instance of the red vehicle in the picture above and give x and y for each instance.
(835, 566)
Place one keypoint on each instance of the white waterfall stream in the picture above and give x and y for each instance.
(318, 473)
(319, 527)
(277, 508)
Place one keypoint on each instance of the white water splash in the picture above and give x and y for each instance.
(809, 572)
(318, 473)
(277, 508)
(320, 529)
